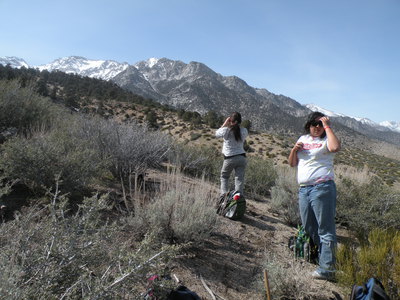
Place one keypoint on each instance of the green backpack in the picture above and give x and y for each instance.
(303, 246)
(232, 205)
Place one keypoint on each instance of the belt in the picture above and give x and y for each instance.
(306, 185)
(242, 154)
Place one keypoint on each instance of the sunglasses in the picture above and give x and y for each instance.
(316, 123)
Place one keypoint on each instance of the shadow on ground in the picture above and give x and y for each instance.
(226, 262)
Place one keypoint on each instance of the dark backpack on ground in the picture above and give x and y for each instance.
(183, 293)
(372, 290)
(232, 205)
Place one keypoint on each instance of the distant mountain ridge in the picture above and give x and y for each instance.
(196, 87)
(391, 125)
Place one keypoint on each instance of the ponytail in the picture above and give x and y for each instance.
(237, 119)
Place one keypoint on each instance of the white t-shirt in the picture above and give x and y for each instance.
(231, 146)
(315, 161)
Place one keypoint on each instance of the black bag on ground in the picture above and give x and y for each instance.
(372, 290)
(232, 205)
(183, 293)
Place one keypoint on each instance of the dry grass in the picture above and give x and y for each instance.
(290, 280)
(361, 176)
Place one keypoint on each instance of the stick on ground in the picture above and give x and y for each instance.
(267, 290)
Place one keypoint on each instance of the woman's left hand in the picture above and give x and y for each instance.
(325, 121)
(334, 144)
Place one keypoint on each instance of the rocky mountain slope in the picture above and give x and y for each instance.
(195, 87)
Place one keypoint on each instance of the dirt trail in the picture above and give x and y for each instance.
(231, 261)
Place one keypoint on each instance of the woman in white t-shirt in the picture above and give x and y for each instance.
(233, 151)
(313, 155)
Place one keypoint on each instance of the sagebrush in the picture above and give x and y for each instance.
(181, 212)
(53, 253)
(284, 195)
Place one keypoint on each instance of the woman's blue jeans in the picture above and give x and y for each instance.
(317, 210)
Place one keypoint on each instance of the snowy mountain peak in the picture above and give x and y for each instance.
(152, 61)
(326, 112)
(103, 69)
(391, 125)
(148, 64)
(329, 113)
(14, 62)
(366, 121)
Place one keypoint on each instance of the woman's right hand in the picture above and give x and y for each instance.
(293, 159)
(227, 122)
(298, 147)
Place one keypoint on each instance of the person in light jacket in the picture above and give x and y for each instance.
(233, 151)
(313, 156)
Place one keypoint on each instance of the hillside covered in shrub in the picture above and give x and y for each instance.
(84, 218)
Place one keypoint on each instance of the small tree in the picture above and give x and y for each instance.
(246, 124)
(130, 148)
(212, 119)
(151, 118)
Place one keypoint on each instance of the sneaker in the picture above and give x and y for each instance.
(318, 275)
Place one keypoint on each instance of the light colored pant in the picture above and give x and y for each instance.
(317, 210)
(238, 164)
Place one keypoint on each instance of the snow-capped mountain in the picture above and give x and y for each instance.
(386, 125)
(14, 62)
(395, 126)
(102, 69)
(194, 86)
(326, 112)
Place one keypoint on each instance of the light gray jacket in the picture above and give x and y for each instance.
(231, 146)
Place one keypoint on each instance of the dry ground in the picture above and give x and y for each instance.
(231, 261)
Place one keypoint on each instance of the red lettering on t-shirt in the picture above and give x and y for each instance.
(311, 146)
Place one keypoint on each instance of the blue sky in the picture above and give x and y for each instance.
(342, 55)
